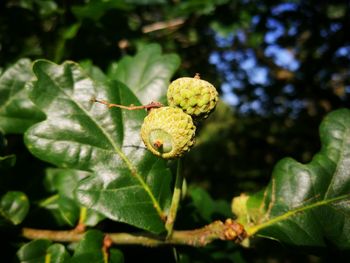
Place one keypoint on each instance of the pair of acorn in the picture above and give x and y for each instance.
(169, 132)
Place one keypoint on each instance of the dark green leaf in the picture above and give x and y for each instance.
(93, 71)
(69, 210)
(71, 31)
(64, 181)
(146, 2)
(116, 256)
(17, 112)
(43, 8)
(308, 204)
(207, 207)
(3, 141)
(57, 253)
(64, 210)
(38, 251)
(7, 161)
(95, 9)
(14, 206)
(202, 7)
(34, 251)
(91, 242)
(90, 249)
(147, 74)
(63, 205)
(128, 183)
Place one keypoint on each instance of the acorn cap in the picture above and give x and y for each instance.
(168, 132)
(195, 96)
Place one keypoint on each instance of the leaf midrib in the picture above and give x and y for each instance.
(253, 229)
(132, 169)
(324, 201)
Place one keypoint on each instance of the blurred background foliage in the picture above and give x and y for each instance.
(279, 66)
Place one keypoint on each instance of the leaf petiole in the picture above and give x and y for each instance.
(131, 107)
(169, 225)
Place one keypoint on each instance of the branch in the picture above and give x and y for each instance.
(131, 107)
(228, 230)
(163, 25)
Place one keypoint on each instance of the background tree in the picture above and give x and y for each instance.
(280, 66)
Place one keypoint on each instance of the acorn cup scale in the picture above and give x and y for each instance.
(194, 96)
(168, 132)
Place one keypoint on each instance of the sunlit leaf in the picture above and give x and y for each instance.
(128, 184)
(308, 204)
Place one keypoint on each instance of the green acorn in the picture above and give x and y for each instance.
(195, 96)
(168, 132)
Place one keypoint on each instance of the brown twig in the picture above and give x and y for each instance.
(228, 230)
(163, 25)
(149, 106)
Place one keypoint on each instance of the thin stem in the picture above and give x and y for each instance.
(169, 225)
(228, 230)
(48, 200)
(131, 107)
(82, 217)
(107, 243)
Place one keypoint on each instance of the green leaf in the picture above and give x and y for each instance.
(14, 206)
(95, 9)
(71, 31)
(147, 74)
(44, 8)
(94, 72)
(7, 161)
(56, 253)
(64, 180)
(17, 112)
(63, 205)
(145, 2)
(34, 251)
(308, 204)
(206, 206)
(128, 184)
(91, 242)
(44, 251)
(90, 249)
(3, 141)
